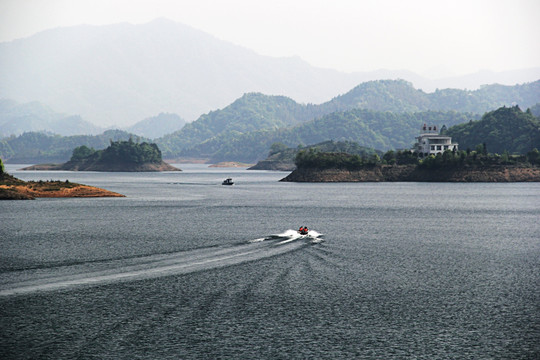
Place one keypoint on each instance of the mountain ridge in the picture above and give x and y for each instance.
(376, 97)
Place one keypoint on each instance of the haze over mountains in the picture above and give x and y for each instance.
(117, 75)
(16, 119)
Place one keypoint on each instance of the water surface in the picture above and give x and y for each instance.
(186, 268)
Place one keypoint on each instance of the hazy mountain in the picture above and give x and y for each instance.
(115, 74)
(157, 126)
(476, 80)
(251, 112)
(16, 119)
(400, 95)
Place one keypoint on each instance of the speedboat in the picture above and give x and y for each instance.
(227, 181)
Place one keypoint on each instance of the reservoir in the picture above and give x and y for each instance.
(185, 268)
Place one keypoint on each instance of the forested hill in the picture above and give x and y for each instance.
(253, 111)
(505, 129)
(257, 112)
(374, 129)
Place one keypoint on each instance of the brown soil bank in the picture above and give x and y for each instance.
(12, 188)
(501, 173)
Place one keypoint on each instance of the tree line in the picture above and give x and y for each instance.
(315, 159)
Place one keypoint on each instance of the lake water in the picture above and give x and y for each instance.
(185, 268)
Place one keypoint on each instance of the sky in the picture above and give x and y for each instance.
(430, 37)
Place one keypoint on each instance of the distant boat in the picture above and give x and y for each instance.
(227, 181)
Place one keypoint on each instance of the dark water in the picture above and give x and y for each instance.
(179, 269)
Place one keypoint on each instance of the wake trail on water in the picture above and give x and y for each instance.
(149, 267)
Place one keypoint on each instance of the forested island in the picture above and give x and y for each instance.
(12, 188)
(128, 156)
(450, 166)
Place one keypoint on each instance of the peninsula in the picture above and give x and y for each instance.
(411, 173)
(120, 156)
(445, 167)
(12, 188)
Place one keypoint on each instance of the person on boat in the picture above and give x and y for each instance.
(301, 230)
(305, 230)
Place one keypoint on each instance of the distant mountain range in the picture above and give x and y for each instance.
(378, 114)
(157, 126)
(16, 119)
(116, 74)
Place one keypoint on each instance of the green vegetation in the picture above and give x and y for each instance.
(2, 170)
(327, 160)
(283, 157)
(252, 112)
(479, 157)
(371, 129)
(505, 129)
(314, 159)
(124, 152)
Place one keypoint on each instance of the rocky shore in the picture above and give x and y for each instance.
(411, 173)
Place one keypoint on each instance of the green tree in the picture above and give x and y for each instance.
(390, 157)
(82, 152)
(276, 148)
(533, 156)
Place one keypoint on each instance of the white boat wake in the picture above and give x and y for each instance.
(148, 267)
(291, 235)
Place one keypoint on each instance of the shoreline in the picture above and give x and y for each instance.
(408, 173)
(12, 188)
(71, 166)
